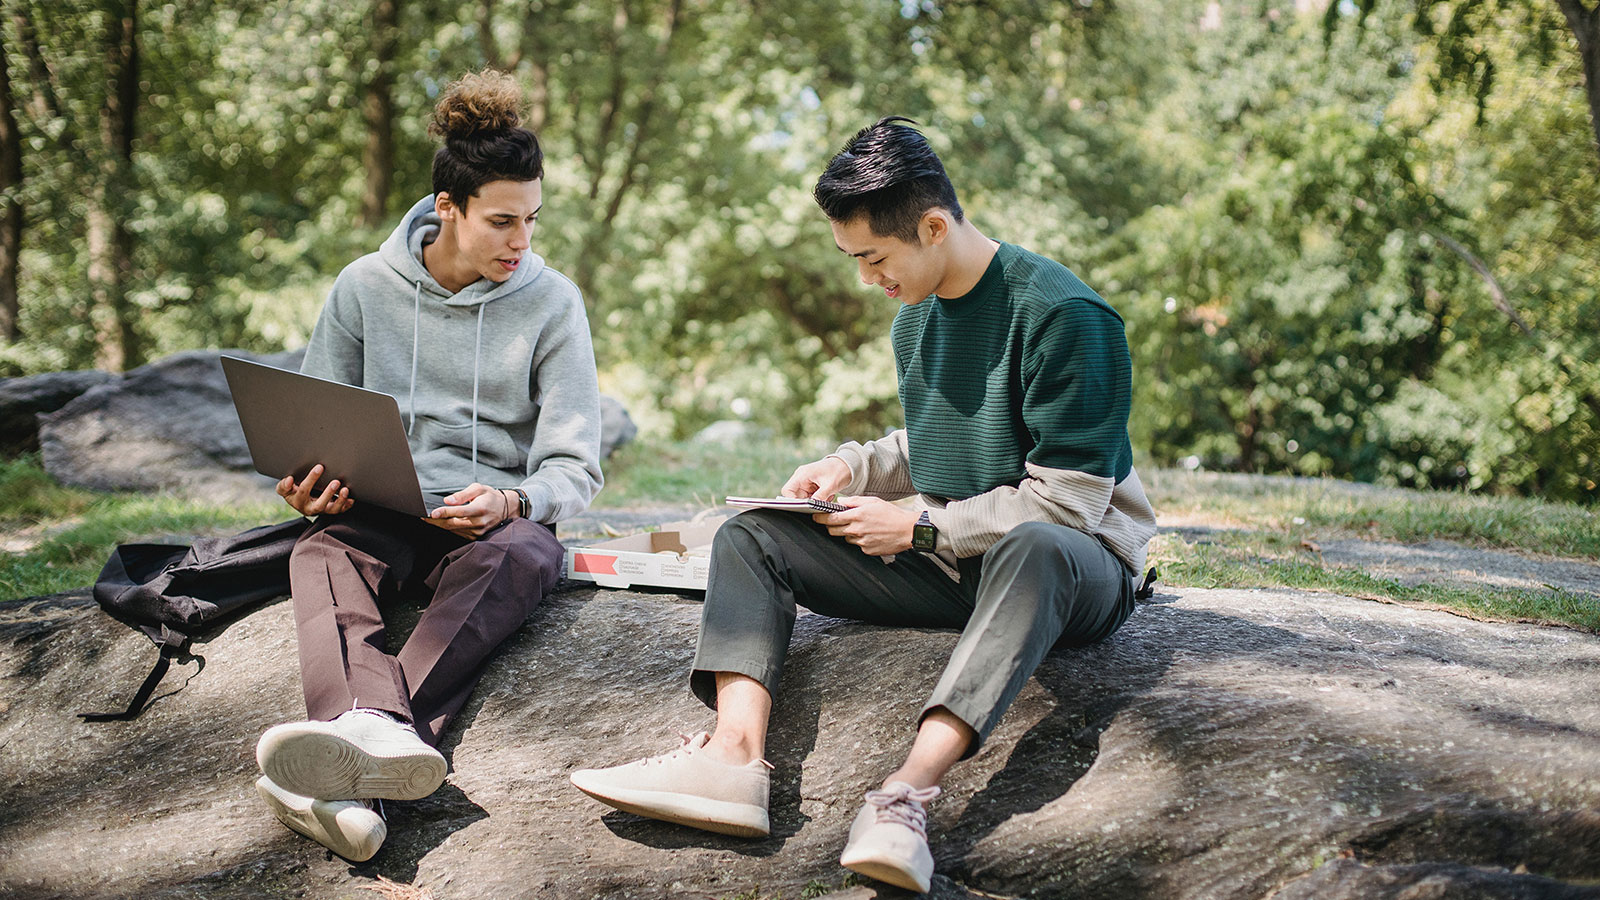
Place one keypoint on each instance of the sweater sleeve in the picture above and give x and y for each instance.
(881, 468)
(335, 351)
(1076, 392)
(564, 460)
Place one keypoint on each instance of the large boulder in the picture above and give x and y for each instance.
(171, 424)
(22, 400)
(616, 426)
(168, 424)
(1223, 744)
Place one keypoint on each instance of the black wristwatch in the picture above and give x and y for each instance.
(924, 536)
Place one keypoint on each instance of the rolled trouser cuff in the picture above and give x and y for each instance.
(703, 678)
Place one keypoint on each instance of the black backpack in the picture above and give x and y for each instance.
(172, 592)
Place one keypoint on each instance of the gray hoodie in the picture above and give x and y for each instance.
(496, 382)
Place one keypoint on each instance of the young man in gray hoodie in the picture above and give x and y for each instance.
(488, 352)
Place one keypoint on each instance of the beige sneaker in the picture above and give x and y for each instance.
(363, 753)
(687, 787)
(889, 838)
(350, 828)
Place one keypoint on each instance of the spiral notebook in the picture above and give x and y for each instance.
(793, 504)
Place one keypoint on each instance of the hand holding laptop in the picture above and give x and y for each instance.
(472, 511)
(335, 498)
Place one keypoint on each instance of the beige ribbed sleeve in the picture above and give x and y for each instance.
(1118, 513)
(881, 468)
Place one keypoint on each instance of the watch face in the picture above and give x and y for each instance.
(923, 537)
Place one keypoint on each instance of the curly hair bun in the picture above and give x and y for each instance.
(480, 101)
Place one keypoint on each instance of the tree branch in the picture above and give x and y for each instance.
(1562, 359)
(1496, 293)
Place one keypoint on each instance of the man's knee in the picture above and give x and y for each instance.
(748, 533)
(1036, 541)
(1042, 553)
(528, 549)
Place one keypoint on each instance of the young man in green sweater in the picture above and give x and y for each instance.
(1026, 525)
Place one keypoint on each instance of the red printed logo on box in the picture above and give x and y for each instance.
(594, 564)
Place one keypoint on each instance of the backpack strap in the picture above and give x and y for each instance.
(1147, 590)
(172, 644)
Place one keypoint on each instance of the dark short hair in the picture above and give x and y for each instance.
(463, 165)
(888, 173)
(479, 117)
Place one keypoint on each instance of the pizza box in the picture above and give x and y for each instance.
(677, 556)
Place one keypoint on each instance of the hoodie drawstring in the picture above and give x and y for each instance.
(477, 354)
(416, 322)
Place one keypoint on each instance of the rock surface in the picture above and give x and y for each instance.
(732, 433)
(1436, 562)
(171, 425)
(616, 426)
(1224, 744)
(22, 400)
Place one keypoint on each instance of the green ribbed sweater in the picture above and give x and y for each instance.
(1030, 366)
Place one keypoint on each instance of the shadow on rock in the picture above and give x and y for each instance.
(416, 829)
(1088, 688)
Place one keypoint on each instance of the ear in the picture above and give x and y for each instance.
(935, 226)
(444, 206)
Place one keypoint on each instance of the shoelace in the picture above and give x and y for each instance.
(901, 804)
(688, 746)
(691, 743)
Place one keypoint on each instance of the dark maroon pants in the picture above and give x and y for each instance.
(348, 568)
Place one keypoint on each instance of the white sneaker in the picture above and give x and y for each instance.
(350, 828)
(889, 837)
(363, 753)
(687, 787)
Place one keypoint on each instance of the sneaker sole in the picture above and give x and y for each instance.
(314, 820)
(322, 764)
(889, 871)
(720, 816)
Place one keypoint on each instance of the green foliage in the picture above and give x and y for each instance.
(1322, 229)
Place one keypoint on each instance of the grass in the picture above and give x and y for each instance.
(683, 473)
(1257, 525)
(1342, 508)
(71, 532)
(1251, 560)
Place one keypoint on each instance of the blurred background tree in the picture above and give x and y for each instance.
(1354, 239)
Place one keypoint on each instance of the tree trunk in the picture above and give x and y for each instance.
(1247, 432)
(377, 110)
(10, 204)
(597, 242)
(110, 242)
(1585, 25)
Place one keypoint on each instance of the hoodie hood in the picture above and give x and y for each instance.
(402, 251)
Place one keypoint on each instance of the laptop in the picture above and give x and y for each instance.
(293, 421)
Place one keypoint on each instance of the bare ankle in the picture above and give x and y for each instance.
(733, 749)
(916, 779)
